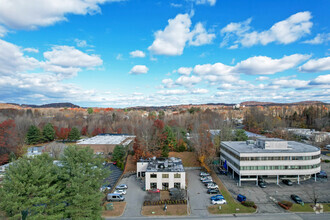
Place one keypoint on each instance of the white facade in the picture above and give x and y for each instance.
(277, 158)
(165, 180)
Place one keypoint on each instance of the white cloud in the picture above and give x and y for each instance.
(262, 65)
(173, 92)
(119, 56)
(318, 39)
(203, 2)
(289, 83)
(172, 40)
(12, 59)
(81, 43)
(175, 5)
(200, 91)
(3, 31)
(215, 69)
(184, 70)
(168, 83)
(139, 69)
(321, 80)
(262, 78)
(188, 81)
(31, 50)
(19, 14)
(137, 53)
(199, 36)
(316, 65)
(283, 32)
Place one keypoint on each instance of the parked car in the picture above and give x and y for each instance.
(120, 191)
(218, 201)
(262, 184)
(222, 171)
(217, 197)
(207, 182)
(213, 191)
(296, 198)
(322, 174)
(115, 197)
(154, 191)
(287, 182)
(205, 178)
(204, 174)
(122, 186)
(173, 191)
(212, 186)
(105, 187)
(241, 198)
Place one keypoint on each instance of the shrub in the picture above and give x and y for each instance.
(327, 161)
(248, 203)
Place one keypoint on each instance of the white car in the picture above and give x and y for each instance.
(206, 178)
(218, 202)
(212, 186)
(120, 192)
(105, 187)
(122, 186)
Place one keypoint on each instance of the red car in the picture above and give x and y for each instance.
(154, 191)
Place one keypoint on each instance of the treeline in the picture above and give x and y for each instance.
(36, 188)
(263, 120)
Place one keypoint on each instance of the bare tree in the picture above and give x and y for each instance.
(55, 149)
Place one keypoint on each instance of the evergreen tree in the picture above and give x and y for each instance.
(170, 138)
(74, 134)
(82, 175)
(90, 110)
(30, 185)
(33, 135)
(48, 132)
(240, 135)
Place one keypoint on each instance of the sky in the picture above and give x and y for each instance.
(121, 53)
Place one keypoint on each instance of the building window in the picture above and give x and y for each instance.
(165, 186)
(143, 174)
(165, 176)
(177, 175)
(153, 175)
(177, 185)
(153, 185)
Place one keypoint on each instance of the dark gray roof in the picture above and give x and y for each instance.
(171, 164)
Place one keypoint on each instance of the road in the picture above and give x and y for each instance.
(268, 216)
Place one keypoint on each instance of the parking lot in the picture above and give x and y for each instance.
(134, 197)
(262, 197)
(197, 193)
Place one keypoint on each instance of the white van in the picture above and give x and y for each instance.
(327, 147)
(115, 197)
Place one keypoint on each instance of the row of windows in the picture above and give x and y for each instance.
(271, 158)
(305, 167)
(165, 186)
(165, 176)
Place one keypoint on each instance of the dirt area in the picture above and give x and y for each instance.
(164, 195)
(118, 210)
(174, 210)
(189, 159)
(130, 164)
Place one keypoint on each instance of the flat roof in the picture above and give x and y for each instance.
(293, 147)
(171, 164)
(110, 139)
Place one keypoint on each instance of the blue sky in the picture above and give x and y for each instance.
(145, 52)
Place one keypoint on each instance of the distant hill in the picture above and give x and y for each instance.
(255, 103)
(51, 105)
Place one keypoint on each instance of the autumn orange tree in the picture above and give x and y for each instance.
(8, 140)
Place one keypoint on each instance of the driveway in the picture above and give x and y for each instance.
(197, 193)
(134, 197)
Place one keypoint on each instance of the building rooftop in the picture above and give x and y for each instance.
(290, 146)
(111, 139)
(171, 164)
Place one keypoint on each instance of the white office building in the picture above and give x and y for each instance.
(162, 173)
(270, 158)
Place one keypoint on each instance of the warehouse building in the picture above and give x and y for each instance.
(162, 173)
(270, 158)
(106, 143)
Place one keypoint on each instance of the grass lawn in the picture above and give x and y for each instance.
(130, 164)
(308, 207)
(232, 205)
(156, 210)
(118, 210)
(189, 159)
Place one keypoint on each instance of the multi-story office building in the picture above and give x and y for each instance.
(162, 173)
(270, 158)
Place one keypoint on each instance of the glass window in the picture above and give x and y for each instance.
(153, 175)
(177, 175)
(165, 176)
(177, 185)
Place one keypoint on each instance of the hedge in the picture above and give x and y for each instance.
(162, 202)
